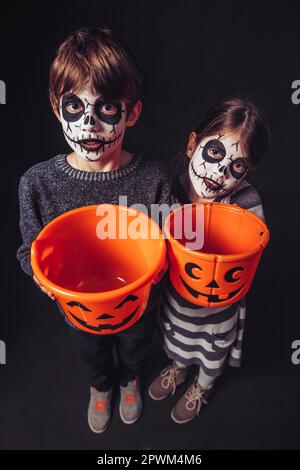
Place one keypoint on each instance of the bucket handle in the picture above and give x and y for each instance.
(265, 236)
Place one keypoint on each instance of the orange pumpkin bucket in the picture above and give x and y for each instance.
(229, 240)
(101, 262)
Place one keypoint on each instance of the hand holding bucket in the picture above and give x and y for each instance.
(102, 283)
(221, 270)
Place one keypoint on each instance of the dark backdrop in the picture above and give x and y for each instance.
(191, 53)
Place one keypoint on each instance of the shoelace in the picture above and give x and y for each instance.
(130, 398)
(194, 398)
(169, 375)
(101, 405)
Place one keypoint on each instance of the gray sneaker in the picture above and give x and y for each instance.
(99, 411)
(167, 381)
(131, 405)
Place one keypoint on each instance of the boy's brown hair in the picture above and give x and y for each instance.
(94, 55)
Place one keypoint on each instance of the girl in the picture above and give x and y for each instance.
(221, 151)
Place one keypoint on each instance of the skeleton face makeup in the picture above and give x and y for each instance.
(93, 126)
(217, 166)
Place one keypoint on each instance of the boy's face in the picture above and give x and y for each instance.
(93, 127)
(217, 165)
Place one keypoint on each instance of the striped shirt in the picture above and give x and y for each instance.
(201, 335)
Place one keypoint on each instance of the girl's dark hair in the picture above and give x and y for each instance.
(234, 115)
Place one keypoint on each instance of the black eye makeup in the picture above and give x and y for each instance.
(108, 112)
(239, 167)
(213, 151)
(72, 107)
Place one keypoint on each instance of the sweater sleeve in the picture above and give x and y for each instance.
(163, 195)
(249, 198)
(30, 222)
(161, 204)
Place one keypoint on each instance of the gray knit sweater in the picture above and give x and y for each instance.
(52, 187)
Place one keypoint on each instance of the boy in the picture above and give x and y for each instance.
(94, 92)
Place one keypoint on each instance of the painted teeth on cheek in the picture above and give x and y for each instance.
(113, 133)
(206, 188)
(104, 143)
(113, 129)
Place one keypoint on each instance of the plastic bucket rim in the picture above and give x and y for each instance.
(97, 296)
(219, 257)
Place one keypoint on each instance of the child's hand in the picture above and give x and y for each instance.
(52, 296)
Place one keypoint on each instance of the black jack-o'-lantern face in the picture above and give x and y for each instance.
(203, 283)
(104, 322)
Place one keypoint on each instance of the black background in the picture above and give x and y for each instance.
(191, 53)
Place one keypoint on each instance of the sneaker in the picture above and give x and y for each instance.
(131, 405)
(189, 405)
(167, 381)
(99, 411)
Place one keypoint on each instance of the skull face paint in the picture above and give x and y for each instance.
(217, 166)
(93, 126)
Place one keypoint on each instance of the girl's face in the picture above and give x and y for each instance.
(93, 126)
(217, 164)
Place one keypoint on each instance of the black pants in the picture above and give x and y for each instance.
(131, 347)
